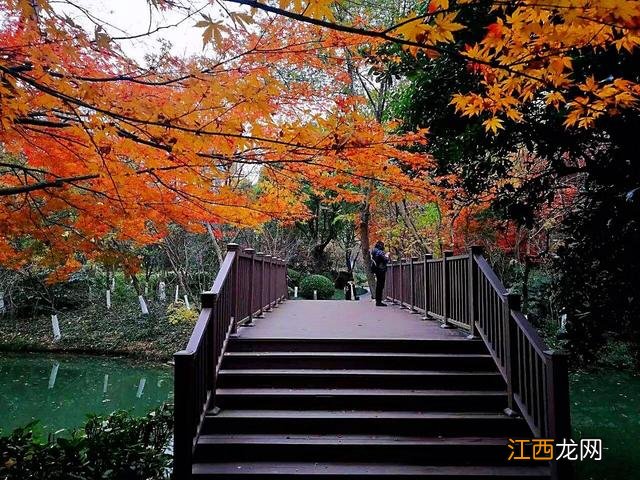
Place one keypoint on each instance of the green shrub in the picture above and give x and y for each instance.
(294, 277)
(178, 313)
(112, 447)
(322, 284)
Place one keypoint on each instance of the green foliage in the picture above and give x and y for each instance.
(294, 277)
(617, 354)
(322, 284)
(178, 314)
(113, 447)
(360, 278)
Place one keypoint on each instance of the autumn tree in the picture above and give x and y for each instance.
(96, 146)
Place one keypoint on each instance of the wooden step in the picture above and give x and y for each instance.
(453, 345)
(357, 448)
(367, 399)
(369, 471)
(359, 360)
(323, 378)
(364, 421)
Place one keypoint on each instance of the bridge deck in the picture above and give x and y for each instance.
(344, 319)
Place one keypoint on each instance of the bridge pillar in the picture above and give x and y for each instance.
(268, 260)
(511, 302)
(412, 283)
(252, 253)
(473, 291)
(235, 284)
(427, 286)
(276, 267)
(260, 261)
(445, 289)
(402, 284)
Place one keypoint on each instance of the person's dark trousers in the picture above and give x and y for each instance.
(380, 277)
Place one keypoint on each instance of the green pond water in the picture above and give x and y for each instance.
(60, 390)
(606, 405)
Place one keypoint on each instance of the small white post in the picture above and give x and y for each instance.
(186, 302)
(105, 384)
(53, 375)
(146, 291)
(143, 305)
(56, 328)
(113, 284)
(563, 323)
(108, 299)
(295, 292)
(177, 292)
(315, 294)
(162, 288)
(141, 387)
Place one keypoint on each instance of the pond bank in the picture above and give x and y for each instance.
(96, 330)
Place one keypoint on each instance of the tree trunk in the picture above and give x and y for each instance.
(525, 284)
(365, 245)
(216, 246)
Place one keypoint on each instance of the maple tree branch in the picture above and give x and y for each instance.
(57, 183)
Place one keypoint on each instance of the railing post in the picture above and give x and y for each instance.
(558, 408)
(183, 404)
(252, 253)
(235, 284)
(391, 271)
(413, 284)
(276, 296)
(269, 263)
(260, 256)
(510, 329)
(473, 290)
(402, 286)
(445, 289)
(427, 286)
(285, 286)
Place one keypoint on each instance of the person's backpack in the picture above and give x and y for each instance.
(374, 265)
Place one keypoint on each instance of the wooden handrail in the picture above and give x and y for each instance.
(239, 293)
(464, 291)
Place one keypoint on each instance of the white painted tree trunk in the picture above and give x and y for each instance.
(105, 384)
(113, 284)
(162, 291)
(146, 291)
(177, 293)
(315, 294)
(55, 325)
(53, 375)
(2, 306)
(141, 385)
(295, 292)
(108, 299)
(143, 305)
(186, 302)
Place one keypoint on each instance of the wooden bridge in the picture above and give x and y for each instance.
(432, 387)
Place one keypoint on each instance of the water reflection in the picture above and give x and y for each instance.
(62, 390)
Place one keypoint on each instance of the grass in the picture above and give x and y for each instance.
(122, 330)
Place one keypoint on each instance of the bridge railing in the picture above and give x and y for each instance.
(247, 285)
(464, 291)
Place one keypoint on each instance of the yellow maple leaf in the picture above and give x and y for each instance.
(493, 124)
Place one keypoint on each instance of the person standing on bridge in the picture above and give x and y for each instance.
(379, 260)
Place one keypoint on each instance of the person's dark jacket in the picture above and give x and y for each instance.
(380, 259)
